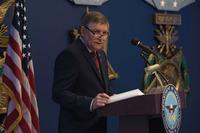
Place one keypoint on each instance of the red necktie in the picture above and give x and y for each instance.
(97, 63)
(96, 60)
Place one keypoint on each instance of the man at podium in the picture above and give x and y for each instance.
(81, 81)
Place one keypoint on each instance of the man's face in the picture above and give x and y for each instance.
(95, 35)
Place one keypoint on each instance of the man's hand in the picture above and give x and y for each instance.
(100, 100)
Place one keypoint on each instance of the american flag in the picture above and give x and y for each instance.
(18, 76)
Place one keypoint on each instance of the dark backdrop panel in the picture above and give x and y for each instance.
(49, 21)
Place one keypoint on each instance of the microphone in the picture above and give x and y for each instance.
(145, 48)
(148, 50)
(139, 44)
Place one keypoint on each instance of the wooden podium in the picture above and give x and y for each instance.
(140, 114)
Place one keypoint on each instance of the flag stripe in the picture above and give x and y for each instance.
(15, 58)
(10, 119)
(11, 85)
(24, 126)
(14, 33)
(32, 109)
(15, 47)
(14, 69)
(31, 79)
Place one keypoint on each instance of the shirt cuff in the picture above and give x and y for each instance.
(91, 105)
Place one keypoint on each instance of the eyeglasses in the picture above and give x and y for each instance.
(97, 33)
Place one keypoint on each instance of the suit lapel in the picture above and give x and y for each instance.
(102, 68)
(91, 62)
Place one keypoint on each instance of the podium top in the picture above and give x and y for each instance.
(140, 105)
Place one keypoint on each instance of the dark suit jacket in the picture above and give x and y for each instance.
(76, 82)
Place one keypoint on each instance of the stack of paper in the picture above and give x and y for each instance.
(125, 95)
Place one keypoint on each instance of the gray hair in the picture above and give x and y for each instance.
(93, 17)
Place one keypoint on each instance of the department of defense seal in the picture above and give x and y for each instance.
(171, 109)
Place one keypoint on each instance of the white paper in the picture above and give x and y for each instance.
(125, 95)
